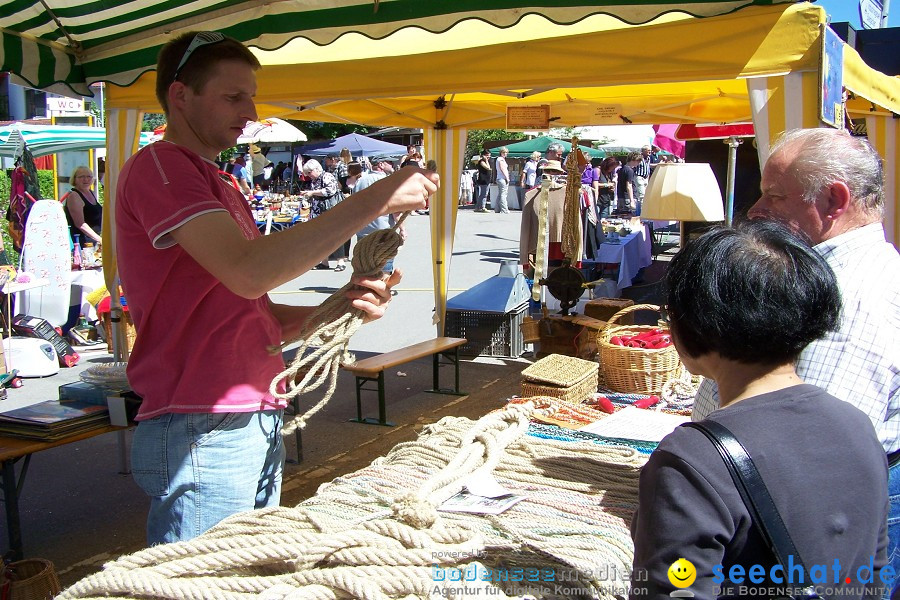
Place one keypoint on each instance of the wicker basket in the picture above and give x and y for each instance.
(30, 579)
(635, 370)
(565, 377)
(530, 330)
(130, 333)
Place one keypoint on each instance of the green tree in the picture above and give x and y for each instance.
(152, 121)
(318, 130)
(477, 138)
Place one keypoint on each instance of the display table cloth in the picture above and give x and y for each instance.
(82, 284)
(633, 253)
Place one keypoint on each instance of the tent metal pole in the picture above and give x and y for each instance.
(733, 144)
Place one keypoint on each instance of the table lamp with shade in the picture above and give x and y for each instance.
(683, 192)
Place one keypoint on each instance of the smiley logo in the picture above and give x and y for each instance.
(682, 573)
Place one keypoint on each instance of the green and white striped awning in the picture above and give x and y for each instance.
(50, 139)
(65, 45)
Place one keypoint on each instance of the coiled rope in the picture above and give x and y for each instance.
(361, 536)
(326, 335)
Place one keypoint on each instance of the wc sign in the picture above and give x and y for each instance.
(65, 105)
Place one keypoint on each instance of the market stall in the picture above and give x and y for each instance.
(766, 68)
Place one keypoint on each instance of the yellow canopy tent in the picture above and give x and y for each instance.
(760, 63)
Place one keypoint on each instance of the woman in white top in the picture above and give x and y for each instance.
(529, 171)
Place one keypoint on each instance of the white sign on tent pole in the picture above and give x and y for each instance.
(870, 12)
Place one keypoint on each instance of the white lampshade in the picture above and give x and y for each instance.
(683, 192)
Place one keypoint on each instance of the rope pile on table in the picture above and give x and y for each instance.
(326, 334)
(376, 533)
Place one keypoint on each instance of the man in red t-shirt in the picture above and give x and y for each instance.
(197, 272)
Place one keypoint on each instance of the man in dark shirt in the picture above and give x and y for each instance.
(483, 183)
(626, 187)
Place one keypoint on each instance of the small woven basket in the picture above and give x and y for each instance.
(565, 377)
(130, 333)
(530, 330)
(29, 579)
(635, 370)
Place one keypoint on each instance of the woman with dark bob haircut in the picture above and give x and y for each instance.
(742, 304)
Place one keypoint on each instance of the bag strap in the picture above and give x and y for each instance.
(752, 489)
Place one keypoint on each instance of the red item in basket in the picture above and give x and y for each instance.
(653, 339)
(651, 333)
(662, 342)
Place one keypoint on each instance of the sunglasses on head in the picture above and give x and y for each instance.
(204, 38)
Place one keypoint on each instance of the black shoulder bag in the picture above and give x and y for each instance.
(756, 497)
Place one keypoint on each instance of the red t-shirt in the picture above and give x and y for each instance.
(199, 347)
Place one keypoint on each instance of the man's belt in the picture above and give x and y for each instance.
(893, 458)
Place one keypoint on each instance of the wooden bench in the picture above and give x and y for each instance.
(372, 370)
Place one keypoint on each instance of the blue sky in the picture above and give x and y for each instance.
(848, 10)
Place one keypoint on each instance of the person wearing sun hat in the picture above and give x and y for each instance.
(257, 164)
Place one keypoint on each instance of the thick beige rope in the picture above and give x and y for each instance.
(491, 436)
(326, 334)
(571, 226)
(345, 542)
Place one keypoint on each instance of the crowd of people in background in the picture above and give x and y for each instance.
(319, 186)
(618, 183)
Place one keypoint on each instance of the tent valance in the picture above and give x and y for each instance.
(55, 44)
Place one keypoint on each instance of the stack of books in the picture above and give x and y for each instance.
(52, 420)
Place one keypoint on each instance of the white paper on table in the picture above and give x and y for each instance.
(464, 502)
(484, 484)
(632, 423)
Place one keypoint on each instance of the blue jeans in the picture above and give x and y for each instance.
(893, 549)
(199, 468)
(481, 196)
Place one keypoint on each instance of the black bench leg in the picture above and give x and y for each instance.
(452, 358)
(11, 498)
(360, 381)
(382, 405)
(382, 409)
(298, 433)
